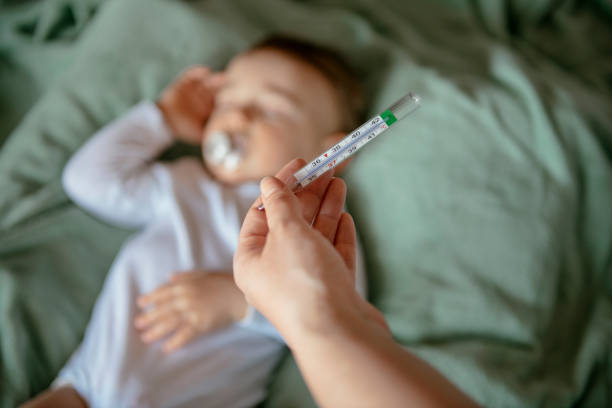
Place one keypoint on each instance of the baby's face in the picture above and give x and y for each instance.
(271, 109)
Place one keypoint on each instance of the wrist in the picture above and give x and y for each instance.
(163, 109)
(324, 318)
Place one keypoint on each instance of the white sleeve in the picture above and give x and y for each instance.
(258, 322)
(114, 176)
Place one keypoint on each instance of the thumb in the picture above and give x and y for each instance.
(281, 205)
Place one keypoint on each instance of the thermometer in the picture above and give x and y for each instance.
(354, 141)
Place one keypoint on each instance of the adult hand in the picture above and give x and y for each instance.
(295, 261)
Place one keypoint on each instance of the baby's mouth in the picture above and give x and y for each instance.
(225, 149)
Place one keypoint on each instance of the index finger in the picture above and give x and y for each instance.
(311, 197)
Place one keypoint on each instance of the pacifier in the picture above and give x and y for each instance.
(227, 150)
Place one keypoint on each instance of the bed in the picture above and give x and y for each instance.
(486, 217)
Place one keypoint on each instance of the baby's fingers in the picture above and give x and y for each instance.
(215, 81)
(150, 317)
(182, 336)
(159, 295)
(161, 328)
(198, 72)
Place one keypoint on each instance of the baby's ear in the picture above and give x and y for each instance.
(331, 140)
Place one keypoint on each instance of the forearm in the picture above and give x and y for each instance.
(357, 364)
(113, 174)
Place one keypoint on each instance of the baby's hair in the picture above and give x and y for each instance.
(332, 66)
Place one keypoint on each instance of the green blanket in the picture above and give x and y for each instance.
(486, 217)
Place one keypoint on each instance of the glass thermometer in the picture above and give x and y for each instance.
(354, 141)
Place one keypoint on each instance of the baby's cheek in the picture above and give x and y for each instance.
(275, 157)
(275, 147)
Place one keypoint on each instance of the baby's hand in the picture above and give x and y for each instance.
(192, 303)
(188, 102)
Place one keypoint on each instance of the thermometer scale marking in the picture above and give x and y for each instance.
(338, 153)
(354, 141)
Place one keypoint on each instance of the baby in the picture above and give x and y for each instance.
(170, 327)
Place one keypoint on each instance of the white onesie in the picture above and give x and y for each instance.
(189, 222)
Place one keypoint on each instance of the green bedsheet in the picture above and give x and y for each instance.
(486, 217)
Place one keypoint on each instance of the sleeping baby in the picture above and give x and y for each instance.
(170, 327)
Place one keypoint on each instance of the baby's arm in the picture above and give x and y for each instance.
(114, 174)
